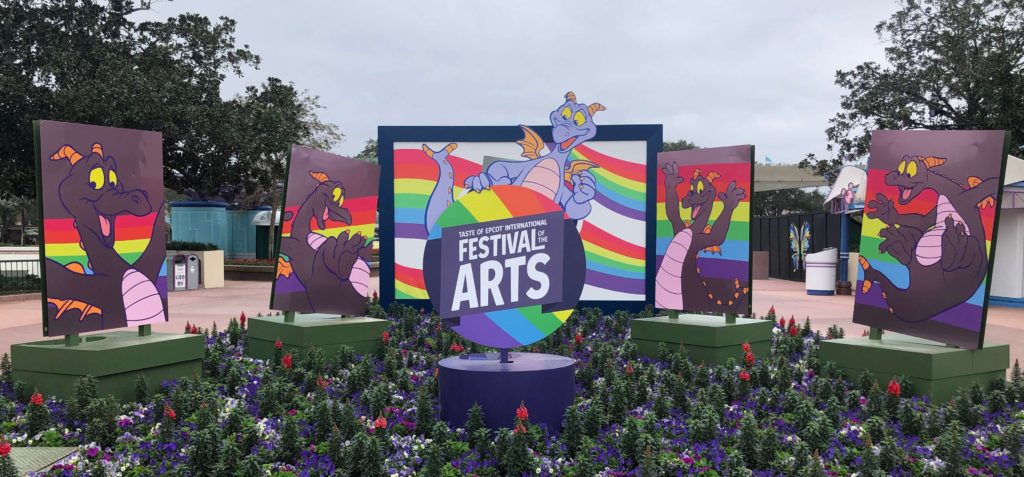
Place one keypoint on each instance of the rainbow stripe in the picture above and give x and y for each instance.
(502, 328)
(415, 176)
(614, 264)
(63, 244)
(364, 219)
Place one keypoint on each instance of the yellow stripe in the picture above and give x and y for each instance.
(73, 249)
(414, 186)
(410, 290)
(622, 181)
(598, 250)
(485, 206)
(563, 314)
(366, 230)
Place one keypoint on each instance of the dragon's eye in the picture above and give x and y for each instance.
(902, 167)
(112, 178)
(96, 179)
(912, 168)
(336, 194)
(700, 187)
(566, 112)
(578, 118)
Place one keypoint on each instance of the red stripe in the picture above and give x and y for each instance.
(629, 170)
(740, 172)
(605, 240)
(923, 204)
(414, 164)
(410, 276)
(363, 210)
(126, 227)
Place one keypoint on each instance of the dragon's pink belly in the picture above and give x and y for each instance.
(669, 294)
(545, 178)
(360, 277)
(929, 247)
(142, 302)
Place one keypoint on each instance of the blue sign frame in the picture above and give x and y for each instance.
(387, 136)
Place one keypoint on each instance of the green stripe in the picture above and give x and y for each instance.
(593, 257)
(629, 193)
(547, 323)
(869, 250)
(737, 230)
(455, 215)
(411, 201)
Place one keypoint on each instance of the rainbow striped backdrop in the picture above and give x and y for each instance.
(965, 316)
(132, 233)
(735, 252)
(364, 218)
(613, 234)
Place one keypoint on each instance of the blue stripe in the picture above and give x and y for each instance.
(600, 267)
(516, 325)
(409, 216)
(900, 276)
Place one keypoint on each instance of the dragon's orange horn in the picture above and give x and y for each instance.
(451, 147)
(319, 176)
(696, 173)
(932, 161)
(973, 181)
(570, 96)
(66, 152)
(97, 148)
(595, 107)
(712, 176)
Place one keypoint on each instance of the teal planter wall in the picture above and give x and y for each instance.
(201, 222)
(212, 222)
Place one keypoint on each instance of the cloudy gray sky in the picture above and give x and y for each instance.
(714, 72)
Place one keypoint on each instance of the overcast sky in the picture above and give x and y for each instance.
(715, 72)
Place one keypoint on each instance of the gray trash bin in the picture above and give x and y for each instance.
(180, 273)
(192, 279)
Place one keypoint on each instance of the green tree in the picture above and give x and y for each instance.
(949, 64)
(680, 145)
(86, 61)
(369, 152)
(778, 202)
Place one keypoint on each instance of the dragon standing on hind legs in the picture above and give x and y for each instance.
(943, 250)
(681, 285)
(119, 292)
(567, 183)
(332, 269)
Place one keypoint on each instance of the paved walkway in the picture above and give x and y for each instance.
(20, 321)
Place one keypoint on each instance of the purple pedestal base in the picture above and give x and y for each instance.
(546, 383)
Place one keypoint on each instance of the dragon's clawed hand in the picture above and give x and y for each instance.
(732, 196)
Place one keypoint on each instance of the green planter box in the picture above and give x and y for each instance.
(934, 370)
(323, 331)
(115, 359)
(707, 339)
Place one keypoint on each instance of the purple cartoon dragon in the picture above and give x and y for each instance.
(332, 269)
(943, 250)
(121, 293)
(572, 124)
(678, 277)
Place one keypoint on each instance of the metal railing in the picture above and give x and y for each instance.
(19, 276)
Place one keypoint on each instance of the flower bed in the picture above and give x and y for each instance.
(782, 414)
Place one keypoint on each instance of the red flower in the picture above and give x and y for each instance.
(579, 338)
(894, 388)
(792, 321)
(241, 319)
(457, 348)
(5, 449)
(37, 399)
(286, 361)
(771, 311)
(385, 337)
(793, 331)
(375, 295)
(521, 412)
(782, 322)
(195, 330)
(744, 375)
(278, 344)
(380, 423)
(520, 429)
(169, 412)
(321, 382)
(629, 369)
(188, 328)
(748, 358)
(746, 347)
